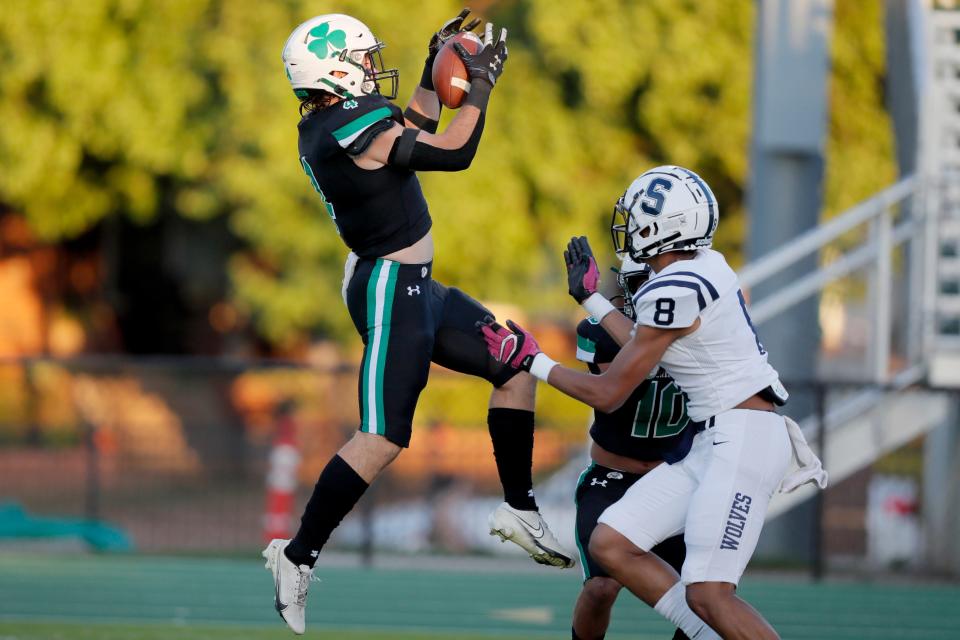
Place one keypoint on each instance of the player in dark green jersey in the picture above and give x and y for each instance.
(362, 154)
(649, 428)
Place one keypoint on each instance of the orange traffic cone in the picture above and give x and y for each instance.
(281, 480)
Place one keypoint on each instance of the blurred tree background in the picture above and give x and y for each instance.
(159, 137)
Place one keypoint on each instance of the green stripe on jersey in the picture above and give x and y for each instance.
(586, 344)
(361, 123)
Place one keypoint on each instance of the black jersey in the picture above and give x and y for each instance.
(376, 211)
(652, 423)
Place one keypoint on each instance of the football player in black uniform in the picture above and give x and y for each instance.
(361, 152)
(649, 428)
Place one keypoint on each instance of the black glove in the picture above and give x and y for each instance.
(583, 276)
(487, 64)
(450, 28)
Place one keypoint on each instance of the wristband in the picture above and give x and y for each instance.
(597, 306)
(541, 366)
(419, 120)
(426, 78)
(479, 93)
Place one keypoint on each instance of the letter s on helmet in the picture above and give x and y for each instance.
(668, 208)
(323, 46)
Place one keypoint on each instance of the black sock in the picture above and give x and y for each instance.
(512, 433)
(574, 636)
(338, 488)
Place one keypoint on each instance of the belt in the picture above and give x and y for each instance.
(712, 420)
(705, 424)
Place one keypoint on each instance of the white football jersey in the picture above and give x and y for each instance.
(722, 363)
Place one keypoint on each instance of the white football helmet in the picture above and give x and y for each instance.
(331, 43)
(668, 208)
(631, 276)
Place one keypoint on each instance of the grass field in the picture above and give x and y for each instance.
(150, 598)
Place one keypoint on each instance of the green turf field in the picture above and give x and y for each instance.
(147, 598)
(64, 631)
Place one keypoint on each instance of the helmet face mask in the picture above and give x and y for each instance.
(618, 226)
(630, 277)
(338, 54)
(371, 60)
(666, 209)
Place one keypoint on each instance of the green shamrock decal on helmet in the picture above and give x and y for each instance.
(325, 39)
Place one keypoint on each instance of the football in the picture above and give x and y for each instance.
(450, 78)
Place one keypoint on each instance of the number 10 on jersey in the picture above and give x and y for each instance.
(661, 411)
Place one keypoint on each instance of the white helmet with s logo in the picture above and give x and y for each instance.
(668, 208)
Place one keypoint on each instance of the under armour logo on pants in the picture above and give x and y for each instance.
(602, 483)
(413, 290)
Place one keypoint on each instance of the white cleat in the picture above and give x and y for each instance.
(528, 530)
(290, 585)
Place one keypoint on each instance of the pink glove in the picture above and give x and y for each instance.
(583, 276)
(512, 346)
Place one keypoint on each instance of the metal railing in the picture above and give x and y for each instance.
(889, 228)
(891, 238)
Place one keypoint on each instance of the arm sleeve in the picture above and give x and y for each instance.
(409, 153)
(671, 306)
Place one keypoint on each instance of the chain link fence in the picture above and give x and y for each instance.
(196, 455)
(176, 453)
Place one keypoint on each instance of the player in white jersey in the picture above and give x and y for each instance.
(722, 362)
(692, 320)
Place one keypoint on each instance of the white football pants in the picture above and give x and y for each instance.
(717, 496)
